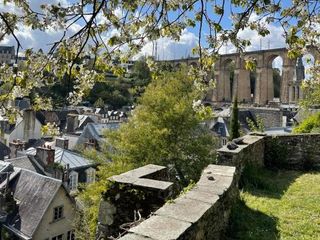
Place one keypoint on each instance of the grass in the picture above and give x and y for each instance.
(286, 206)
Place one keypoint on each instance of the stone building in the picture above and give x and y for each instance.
(35, 206)
(7, 54)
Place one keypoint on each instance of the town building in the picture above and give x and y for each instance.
(34, 206)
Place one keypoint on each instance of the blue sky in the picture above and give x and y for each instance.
(167, 48)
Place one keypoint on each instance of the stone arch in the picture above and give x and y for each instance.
(228, 66)
(274, 64)
(193, 64)
(177, 66)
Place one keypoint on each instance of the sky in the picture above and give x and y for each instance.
(167, 48)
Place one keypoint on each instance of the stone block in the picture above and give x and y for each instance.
(153, 184)
(184, 209)
(131, 236)
(202, 195)
(161, 228)
(143, 171)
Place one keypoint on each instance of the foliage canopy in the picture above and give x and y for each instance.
(111, 32)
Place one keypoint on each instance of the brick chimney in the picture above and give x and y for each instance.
(45, 154)
(15, 146)
(62, 142)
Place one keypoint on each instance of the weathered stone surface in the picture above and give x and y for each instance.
(252, 153)
(295, 151)
(106, 212)
(131, 236)
(139, 190)
(232, 146)
(161, 228)
(150, 183)
(184, 209)
(201, 213)
(143, 171)
(220, 170)
(202, 195)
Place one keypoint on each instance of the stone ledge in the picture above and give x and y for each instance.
(161, 228)
(202, 211)
(138, 177)
(248, 140)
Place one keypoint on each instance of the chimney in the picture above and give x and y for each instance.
(90, 144)
(45, 154)
(72, 123)
(65, 176)
(62, 142)
(15, 146)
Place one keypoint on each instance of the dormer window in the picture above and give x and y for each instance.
(91, 175)
(73, 181)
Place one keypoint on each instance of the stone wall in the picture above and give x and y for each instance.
(251, 151)
(131, 197)
(295, 151)
(272, 117)
(201, 213)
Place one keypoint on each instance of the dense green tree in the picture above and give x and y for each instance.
(310, 125)
(99, 103)
(140, 77)
(235, 125)
(164, 129)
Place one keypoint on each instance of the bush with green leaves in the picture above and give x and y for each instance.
(309, 125)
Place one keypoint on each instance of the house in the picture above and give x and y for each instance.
(92, 134)
(219, 128)
(76, 122)
(61, 163)
(26, 128)
(58, 117)
(36, 207)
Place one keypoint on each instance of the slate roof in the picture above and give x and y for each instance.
(64, 157)
(4, 149)
(22, 104)
(96, 130)
(220, 127)
(25, 163)
(34, 192)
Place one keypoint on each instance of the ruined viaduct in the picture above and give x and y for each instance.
(262, 90)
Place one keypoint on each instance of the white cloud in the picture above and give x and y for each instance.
(274, 40)
(169, 49)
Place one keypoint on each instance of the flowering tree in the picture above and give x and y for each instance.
(113, 29)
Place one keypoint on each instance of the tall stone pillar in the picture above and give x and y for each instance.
(226, 84)
(290, 94)
(296, 93)
(270, 87)
(261, 93)
(287, 76)
(217, 91)
(244, 91)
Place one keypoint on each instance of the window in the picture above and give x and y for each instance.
(59, 237)
(91, 175)
(57, 213)
(73, 181)
(70, 235)
(224, 141)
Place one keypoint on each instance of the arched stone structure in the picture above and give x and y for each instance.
(264, 87)
(290, 90)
